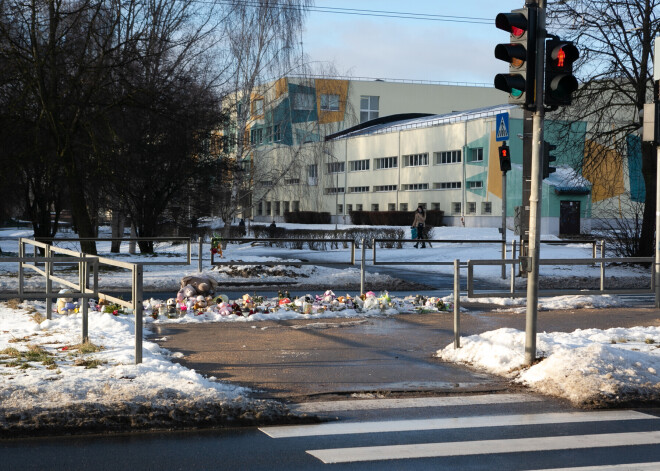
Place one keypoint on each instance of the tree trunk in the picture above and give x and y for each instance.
(117, 226)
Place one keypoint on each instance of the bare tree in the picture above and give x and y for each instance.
(615, 42)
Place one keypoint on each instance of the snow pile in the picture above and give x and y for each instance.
(49, 380)
(590, 367)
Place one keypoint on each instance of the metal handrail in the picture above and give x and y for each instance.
(82, 290)
(284, 262)
(188, 241)
(558, 261)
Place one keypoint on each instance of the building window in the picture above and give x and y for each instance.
(369, 106)
(260, 208)
(278, 208)
(358, 189)
(349, 208)
(486, 207)
(256, 136)
(312, 174)
(374, 207)
(286, 207)
(475, 185)
(415, 187)
(292, 181)
(447, 185)
(416, 160)
(448, 157)
(391, 206)
(380, 188)
(435, 206)
(336, 167)
(472, 208)
(358, 165)
(303, 101)
(477, 154)
(258, 107)
(296, 206)
(456, 208)
(423, 205)
(277, 134)
(334, 190)
(267, 183)
(403, 206)
(340, 209)
(385, 162)
(330, 102)
(268, 208)
(358, 207)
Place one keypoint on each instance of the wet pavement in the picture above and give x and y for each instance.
(293, 359)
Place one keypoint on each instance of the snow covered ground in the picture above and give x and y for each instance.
(47, 377)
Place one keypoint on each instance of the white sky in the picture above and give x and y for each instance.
(378, 47)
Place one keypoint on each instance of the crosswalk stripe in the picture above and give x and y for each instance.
(370, 404)
(345, 428)
(615, 467)
(481, 447)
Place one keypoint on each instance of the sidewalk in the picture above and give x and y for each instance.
(298, 359)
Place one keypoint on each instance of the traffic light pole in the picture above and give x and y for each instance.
(504, 224)
(535, 194)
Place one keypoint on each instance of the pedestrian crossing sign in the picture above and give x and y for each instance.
(502, 127)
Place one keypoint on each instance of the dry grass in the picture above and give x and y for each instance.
(14, 303)
(87, 347)
(88, 363)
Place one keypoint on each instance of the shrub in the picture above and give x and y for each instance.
(307, 217)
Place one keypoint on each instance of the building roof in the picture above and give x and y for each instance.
(397, 123)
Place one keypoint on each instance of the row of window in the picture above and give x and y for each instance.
(271, 134)
(276, 208)
(471, 207)
(412, 160)
(369, 105)
(473, 185)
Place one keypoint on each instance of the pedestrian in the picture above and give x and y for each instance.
(419, 222)
(271, 230)
(241, 227)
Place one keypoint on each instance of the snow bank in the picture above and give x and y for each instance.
(588, 367)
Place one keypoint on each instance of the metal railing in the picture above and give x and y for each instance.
(512, 293)
(426, 241)
(57, 255)
(187, 240)
(350, 242)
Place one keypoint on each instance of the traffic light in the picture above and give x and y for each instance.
(520, 53)
(559, 80)
(547, 158)
(505, 158)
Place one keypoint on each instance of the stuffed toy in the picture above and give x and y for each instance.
(202, 284)
(62, 302)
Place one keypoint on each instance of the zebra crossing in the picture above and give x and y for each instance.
(469, 437)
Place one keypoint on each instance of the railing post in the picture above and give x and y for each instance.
(457, 304)
(602, 268)
(362, 266)
(352, 251)
(82, 282)
(21, 255)
(373, 250)
(503, 258)
(513, 278)
(137, 310)
(49, 285)
(199, 255)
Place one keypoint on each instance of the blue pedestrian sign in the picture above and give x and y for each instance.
(502, 127)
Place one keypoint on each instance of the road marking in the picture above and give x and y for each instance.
(614, 467)
(370, 404)
(483, 447)
(346, 428)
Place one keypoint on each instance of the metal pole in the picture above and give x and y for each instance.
(535, 194)
(49, 285)
(657, 225)
(82, 282)
(503, 223)
(457, 304)
(199, 255)
(21, 254)
(362, 263)
(137, 310)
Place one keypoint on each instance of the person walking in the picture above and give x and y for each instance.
(419, 222)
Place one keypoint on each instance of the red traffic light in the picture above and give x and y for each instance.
(516, 24)
(562, 54)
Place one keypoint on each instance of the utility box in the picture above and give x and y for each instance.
(651, 129)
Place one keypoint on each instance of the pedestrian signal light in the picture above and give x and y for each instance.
(505, 158)
(559, 80)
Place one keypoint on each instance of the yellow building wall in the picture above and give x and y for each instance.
(603, 167)
(494, 172)
(331, 87)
